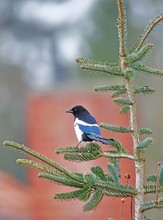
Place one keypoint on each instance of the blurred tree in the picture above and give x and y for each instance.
(39, 33)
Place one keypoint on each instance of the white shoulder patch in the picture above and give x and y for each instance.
(80, 122)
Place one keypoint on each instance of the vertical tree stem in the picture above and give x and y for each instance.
(139, 162)
(121, 28)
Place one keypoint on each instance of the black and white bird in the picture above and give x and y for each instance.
(86, 127)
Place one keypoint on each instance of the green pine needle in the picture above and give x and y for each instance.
(118, 146)
(152, 205)
(160, 179)
(147, 31)
(83, 60)
(125, 109)
(90, 151)
(146, 69)
(89, 178)
(82, 156)
(152, 189)
(140, 55)
(61, 180)
(145, 90)
(39, 166)
(145, 144)
(116, 190)
(146, 131)
(81, 194)
(151, 178)
(118, 92)
(129, 73)
(94, 200)
(106, 88)
(37, 155)
(88, 148)
(147, 218)
(97, 66)
(98, 172)
(114, 172)
(122, 101)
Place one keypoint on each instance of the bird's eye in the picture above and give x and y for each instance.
(75, 109)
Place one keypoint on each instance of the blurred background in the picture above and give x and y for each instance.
(39, 80)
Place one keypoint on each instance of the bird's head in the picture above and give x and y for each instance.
(77, 110)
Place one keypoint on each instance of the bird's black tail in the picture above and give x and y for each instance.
(98, 138)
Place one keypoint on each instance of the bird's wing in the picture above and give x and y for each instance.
(98, 138)
(89, 128)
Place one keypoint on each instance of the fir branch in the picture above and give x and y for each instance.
(97, 66)
(129, 73)
(109, 178)
(160, 179)
(88, 148)
(123, 101)
(16, 146)
(89, 178)
(152, 205)
(86, 194)
(83, 60)
(90, 151)
(114, 128)
(106, 88)
(101, 68)
(125, 109)
(147, 218)
(118, 146)
(39, 166)
(62, 180)
(147, 31)
(145, 144)
(99, 173)
(146, 69)
(140, 55)
(81, 194)
(93, 151)
(118, 93)
(82, 156)
(114, 172)
(152, 189)
(151, 178)
(112, 155)
(116, 190)
(146, 131)
(145, 90)
(94, 200)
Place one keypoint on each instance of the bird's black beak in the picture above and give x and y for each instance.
(69, 111)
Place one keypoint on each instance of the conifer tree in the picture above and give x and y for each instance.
(92, 186)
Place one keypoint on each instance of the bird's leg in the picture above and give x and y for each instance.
(78, 144)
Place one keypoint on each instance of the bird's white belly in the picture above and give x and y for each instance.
(78, 132)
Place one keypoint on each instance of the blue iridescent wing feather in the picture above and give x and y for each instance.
(89, 129)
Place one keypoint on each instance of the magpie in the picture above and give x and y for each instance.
(86, 127)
